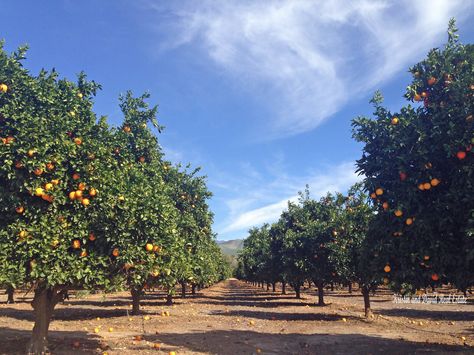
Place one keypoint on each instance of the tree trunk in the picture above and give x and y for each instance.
(136, 295)
(365, 293)
(193, 289)
(309, 284)
(169, 299)
(183, 289)
(274, 286)
(283, 288)
(43, 304)
(332, 286)
(350, 287)
(268, 286)
(10, 292)
(297, 290)
(320, 286)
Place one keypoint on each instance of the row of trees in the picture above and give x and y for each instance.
(86, 205)
(416, 226)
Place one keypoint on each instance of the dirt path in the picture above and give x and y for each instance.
(237, 318)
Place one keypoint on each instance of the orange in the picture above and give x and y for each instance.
(138, 338)
(39, 191)
(79, 95)
(417, 97)
(50, 166)
(30, 153)
(431, 81)
(427, 186)
(385, 205)
(86, 202)
(121, 198)
(72, 195)
(23, 234)
(78, 141)
(72, 113)
(76, 176)
(55, 182)
(149, 247)
(92, 192)
(48, 186)
(424, 94)
(78, 193)
(373, 195)
(394, 121)
(38, 171)
(142, 159)
(3, 88)
(387, 268)
(83, 253)
(91, 236)
(461, 155)
(18, 165)
(126, 129)
(426, 257)
(435, 277)
(421, 186)
(398, 213)
(76, 244)
(20, 209)
(409, 221)
(115, 252)
(156, 345)
(435, 182)
(82, 186)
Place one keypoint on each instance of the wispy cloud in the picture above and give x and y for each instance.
(307, 59)
(259, 203)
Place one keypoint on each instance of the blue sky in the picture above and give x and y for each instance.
(260, 94)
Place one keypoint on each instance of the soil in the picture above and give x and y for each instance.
(234, 317)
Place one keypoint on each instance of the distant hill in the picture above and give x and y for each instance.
(231, 247)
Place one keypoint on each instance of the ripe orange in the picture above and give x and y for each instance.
(3, 88)
(55, 182)
(47, 198)
(72, 195)
(461, 155)
(387, 268)
(18, 165)
(39, 191)
(115, 252)
(78, 141)
(421, 186)
(86, 202)
(409, 221)
(424, 94)
(23, 234)
(149, 247)
(427, 186)
(126, 129)
(82, 186)
(92, 192)
(121, 198)
(394, 121)
(435, 182)
(417, 97)
(76, 176)
(55, 243)
(426, 258)
(20, 209)
(431, 81)
(156, 345)
(78, 193)
(373, 195)
(48, 186)
(38, 171)
(435, 277)
(92, 236)
(398, 213)
(76, 244)
(30, 153)
(142, 159)
(138, 338)
(379, 191)
(50, 166)
(385, 205)
(83, 253)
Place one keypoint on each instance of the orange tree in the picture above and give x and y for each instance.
(57, 179)
(143, 220)
(418, 167)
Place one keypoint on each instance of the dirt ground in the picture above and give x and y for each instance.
(236, 318)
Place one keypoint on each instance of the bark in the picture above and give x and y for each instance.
(297, 290)
(283, 288)
(274, 286)
(183, 289)
(320, 286)
(350, 287)
(193, 289)
(10, 292)
(136, 295)
(365, 293)
(44, 301)
(169, 299)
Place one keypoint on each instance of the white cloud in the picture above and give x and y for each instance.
(307, 59)
(256, 205)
